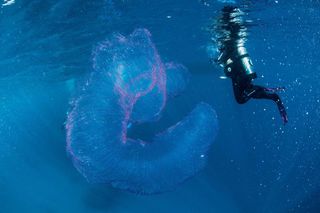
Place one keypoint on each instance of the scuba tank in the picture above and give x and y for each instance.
(239, 64)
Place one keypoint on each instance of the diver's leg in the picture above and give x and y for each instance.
(274, 89)
(262, 93)
(239, 92)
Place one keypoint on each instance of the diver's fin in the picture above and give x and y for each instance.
(275, 89)
(283, 112)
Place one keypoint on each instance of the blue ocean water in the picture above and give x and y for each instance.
(255, 164)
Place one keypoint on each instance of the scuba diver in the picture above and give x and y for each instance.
(231, 36)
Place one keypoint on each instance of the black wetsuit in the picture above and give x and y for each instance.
(244, 90)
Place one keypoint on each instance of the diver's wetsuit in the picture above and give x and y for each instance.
(236, 61)
(244, 89)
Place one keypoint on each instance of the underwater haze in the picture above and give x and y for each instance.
(228, 157)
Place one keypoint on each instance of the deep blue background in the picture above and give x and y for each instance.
(256, 163)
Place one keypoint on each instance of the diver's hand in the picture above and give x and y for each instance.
(214, 61)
